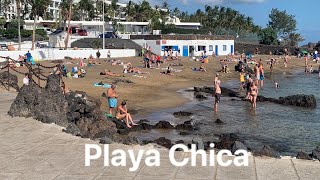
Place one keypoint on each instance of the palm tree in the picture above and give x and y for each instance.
(64, 11)
(37, 9)
(86, 8)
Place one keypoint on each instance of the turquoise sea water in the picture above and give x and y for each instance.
(287, 129)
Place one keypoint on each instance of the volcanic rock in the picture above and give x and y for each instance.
(6, 77)
(105, 140)
(187, 125)
(163, 125)
(218, 121)
(162, 141)
(47, 105)
(182, 113)
(132, 140)
(303, 155)
(77, 111)
(268, 151)
(198, 142)
(238, 145)
(226, 141)
(316, 153)
(200, 96)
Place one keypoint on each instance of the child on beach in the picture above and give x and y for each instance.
(242, 81)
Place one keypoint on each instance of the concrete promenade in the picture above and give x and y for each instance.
(33, 150)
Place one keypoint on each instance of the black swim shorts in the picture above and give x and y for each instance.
(217, 97)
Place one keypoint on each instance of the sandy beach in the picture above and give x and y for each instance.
(155, 91)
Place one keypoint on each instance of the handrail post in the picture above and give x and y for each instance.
(39, 74)
(8, 74)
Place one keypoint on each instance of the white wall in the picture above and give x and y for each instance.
(51, 54)
(180, 43)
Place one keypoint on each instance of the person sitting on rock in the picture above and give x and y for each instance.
(64, 88)
(122, 112)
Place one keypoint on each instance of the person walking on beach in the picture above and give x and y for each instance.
(257, 72)
(286, 60)
(261, 69)
(254, 95)
(112, 98)
(98, 54)
(122, 112)
(217, 93)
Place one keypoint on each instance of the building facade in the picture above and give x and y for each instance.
(187, 45)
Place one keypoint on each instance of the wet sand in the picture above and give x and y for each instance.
(156, 91)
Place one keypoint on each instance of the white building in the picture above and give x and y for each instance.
(188, 45)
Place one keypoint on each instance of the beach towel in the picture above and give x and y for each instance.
(104, 85)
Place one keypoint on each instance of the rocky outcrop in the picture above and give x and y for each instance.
(303, 155)
(44, 104)
(8, 79)
(268, 151)
(227, 140)
(182, 114)
(316, 153)
(76, 111)
(300, 100)
(237, 145)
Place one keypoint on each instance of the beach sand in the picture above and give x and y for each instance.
(156, 91)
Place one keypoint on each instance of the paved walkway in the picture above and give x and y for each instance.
(32, 150)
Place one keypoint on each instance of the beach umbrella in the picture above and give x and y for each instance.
(81, 63)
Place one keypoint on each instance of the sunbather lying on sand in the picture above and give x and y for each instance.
(167, 72)
(136, 70)
(109, 73)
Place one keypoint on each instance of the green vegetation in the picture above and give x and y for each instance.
(281, 26)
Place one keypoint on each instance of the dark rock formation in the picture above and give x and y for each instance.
(238, 145)
(163, 125)
(182, 113)
(187, 125)
(198, 142)
(200, 96)
(77, 111)
(300, 100)
(47, 105)
(132, 140)
(162, 141)
(303, 155)
(226, 141)
(316, 153)
(218, 121)
(6, 77)
(268, 151)
(184, 133)
(106, 140)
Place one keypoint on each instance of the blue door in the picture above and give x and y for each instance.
(217, 50)
(185, 52)
(231, 49)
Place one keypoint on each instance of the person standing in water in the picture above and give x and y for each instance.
(254, 95)
(261, 69)
(217, 93)
(242, 81)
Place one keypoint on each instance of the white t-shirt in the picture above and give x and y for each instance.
(26, 81)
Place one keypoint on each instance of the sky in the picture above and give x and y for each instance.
(304, 11)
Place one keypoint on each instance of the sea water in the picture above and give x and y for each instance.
(287, 129)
